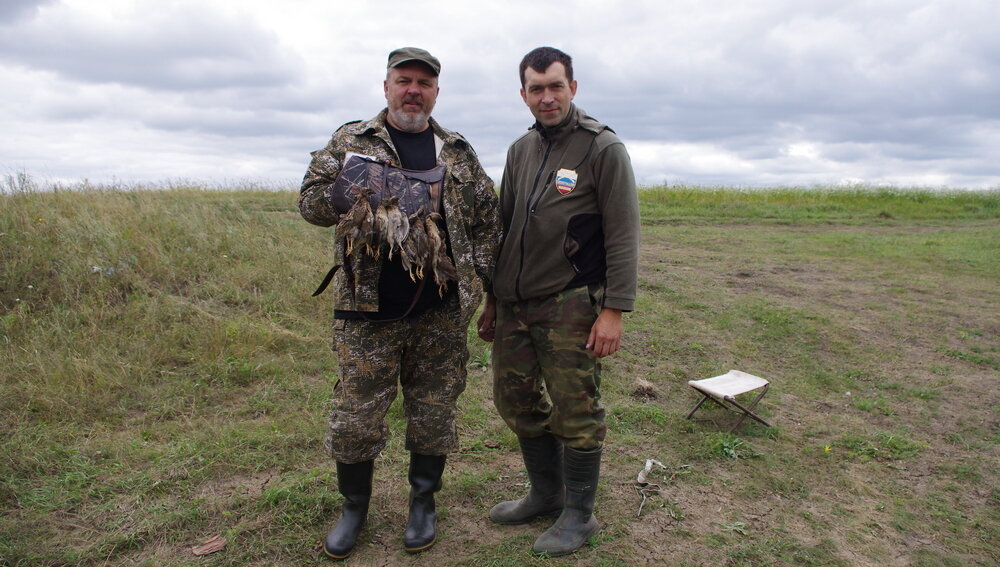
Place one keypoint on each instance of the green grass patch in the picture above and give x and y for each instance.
(166, 376)
(728, 446)
(883, 446)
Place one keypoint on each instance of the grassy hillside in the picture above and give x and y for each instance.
(165, 377)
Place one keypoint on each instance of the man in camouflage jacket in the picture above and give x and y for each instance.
(377, 341)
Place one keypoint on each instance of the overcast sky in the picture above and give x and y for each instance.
(705, 92)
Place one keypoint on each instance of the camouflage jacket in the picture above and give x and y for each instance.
(470, 207)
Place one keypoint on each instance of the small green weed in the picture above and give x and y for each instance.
(632, 418)
(759, 551)
(964, 472)
(883, 447)
(878, 404)
(972, 357)
(925, 393)
(482, 360)
(735, 527)
(729, 446)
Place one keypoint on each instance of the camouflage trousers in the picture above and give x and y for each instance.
(544, 380)
(426, 354)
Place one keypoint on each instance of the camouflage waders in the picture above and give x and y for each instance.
(544, 378)
(426, 355)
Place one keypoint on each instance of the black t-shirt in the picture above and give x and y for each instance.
(416, 149)
(395, 288)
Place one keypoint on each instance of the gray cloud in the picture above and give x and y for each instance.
(12, 10)
(179, 48)
(715, 92)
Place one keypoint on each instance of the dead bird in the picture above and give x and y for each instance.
(381, 227)
(421, 246)
(355, 224)
(397, 225)
(412, 247)
(444, 271)
(434, 239)
(441, 264)
(367, 232)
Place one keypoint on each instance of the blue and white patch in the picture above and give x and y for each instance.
(565, 181)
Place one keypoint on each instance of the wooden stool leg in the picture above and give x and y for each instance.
(703, 399)
(748, 411)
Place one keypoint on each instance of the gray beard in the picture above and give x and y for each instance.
(406, 122)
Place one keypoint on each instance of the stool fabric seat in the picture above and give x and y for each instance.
(723, 391)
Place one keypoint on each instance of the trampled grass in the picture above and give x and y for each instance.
(165, 377)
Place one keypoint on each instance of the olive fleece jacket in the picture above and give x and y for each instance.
(570, 214)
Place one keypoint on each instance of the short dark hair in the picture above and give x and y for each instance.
(540, 58)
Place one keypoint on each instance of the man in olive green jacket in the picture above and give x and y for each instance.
(567, 270)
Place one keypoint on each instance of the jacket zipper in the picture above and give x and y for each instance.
(530, 210)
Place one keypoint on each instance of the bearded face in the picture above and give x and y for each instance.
(411, 90)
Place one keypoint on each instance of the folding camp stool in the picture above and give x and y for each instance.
(724, 389)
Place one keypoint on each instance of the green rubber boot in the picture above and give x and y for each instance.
(576, 524)
(543, 461)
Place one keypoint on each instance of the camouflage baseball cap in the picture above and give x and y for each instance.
(404, 54)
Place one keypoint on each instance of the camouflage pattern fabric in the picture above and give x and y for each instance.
(544, 379)
(389, 210)
(426, 354)
(470, 213)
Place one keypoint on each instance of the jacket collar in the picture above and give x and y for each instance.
(575, 118)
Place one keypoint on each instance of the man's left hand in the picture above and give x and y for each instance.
(606, 334)
(486, 326)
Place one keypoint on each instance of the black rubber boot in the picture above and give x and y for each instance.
(581, 470)
(543, 461)
(425, 480)
(355, 483)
